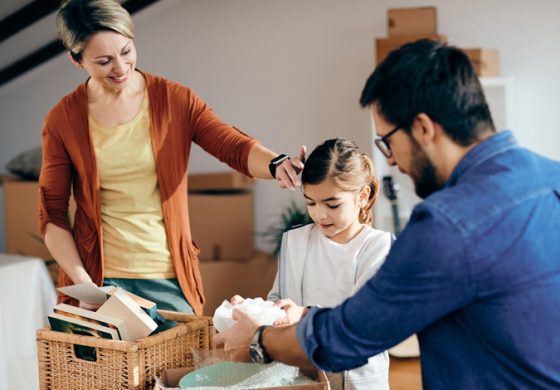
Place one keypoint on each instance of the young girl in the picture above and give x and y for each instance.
(327, 261)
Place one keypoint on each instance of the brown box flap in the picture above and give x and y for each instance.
(219, 181)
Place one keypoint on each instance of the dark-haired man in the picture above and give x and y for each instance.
(476, 272)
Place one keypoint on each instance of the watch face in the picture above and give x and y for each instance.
(256, 354)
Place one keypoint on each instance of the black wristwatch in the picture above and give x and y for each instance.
(257, 352)
(273, 164)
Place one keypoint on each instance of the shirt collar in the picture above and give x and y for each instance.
(496, 144)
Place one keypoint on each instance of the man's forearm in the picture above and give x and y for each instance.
(282, 346)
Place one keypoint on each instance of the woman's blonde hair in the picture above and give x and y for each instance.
(78, 20)
(340, 160)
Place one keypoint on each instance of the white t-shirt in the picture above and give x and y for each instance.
(316, 271)
(334, 271)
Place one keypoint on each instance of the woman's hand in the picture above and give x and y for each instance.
(89, 306)
(287, 173)
(293, 312)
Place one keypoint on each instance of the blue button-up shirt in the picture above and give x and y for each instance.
(476, 274)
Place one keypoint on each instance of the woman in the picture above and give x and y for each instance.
(123, 140)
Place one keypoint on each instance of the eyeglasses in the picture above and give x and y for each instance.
(383, 142)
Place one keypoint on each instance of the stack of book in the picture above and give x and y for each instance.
(121, 316)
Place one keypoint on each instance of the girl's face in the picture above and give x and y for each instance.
(334, 211)
(110, 60)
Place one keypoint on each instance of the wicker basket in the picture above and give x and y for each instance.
(119, 364)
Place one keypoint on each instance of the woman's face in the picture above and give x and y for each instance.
(110, 60)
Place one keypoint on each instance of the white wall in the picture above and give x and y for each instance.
(291, 72)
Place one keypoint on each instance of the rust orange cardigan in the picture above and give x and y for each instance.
(178, 118)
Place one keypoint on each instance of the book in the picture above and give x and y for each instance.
(149, 307)
(121, 305)
(62, 323)
(93, 317)
(139, 315)
(87, 292)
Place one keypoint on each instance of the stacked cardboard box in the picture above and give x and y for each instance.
(486, 62)
(221, 208)
(406, 25)
(21, 200)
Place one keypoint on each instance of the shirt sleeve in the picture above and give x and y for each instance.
(426, 276)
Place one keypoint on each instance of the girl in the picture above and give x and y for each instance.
(327, 261)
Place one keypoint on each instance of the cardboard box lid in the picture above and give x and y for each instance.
(169, 380)
(219, 181)
(385, 45)
(417, 20)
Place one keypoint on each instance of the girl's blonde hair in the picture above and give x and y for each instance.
(340, 160)
(78, 20)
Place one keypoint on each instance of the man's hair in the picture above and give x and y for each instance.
(340, 160)
(435, 79)
(78, 20)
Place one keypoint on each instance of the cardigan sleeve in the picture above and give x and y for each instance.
(54, 181)
(225, 142)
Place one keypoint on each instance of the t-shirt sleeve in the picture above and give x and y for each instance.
(425, 276)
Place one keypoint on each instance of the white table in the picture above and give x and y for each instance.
(27, 295)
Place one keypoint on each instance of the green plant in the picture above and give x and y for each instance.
(293, 215)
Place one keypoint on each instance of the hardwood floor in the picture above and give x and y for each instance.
(404, 374)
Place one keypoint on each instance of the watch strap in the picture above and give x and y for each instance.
(275, 162)
(266, 357)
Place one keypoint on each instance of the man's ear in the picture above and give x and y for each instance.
(76, 63)
(363, 196)
(424, 129)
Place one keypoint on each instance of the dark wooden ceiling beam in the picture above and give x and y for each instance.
(54, 47)
(25, 17)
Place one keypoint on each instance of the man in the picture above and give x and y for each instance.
(476, 272)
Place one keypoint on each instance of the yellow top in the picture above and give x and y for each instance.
(134, 237)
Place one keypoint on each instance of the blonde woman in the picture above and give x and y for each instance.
(122, 141)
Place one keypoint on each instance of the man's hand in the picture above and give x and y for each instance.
(293, 312)
(236, 340)
(287, 173)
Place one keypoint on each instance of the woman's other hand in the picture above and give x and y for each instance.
(89, 306)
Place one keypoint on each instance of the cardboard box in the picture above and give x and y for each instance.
(249, 278)
(170, 380)
(21, 200)
(21, 207)
(486, 62)
(222, 224)
(407, 21)
(219, 181)
(21, 203)
(383, 46)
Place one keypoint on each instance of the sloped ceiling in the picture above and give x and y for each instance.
(28, 33)
(8, 7)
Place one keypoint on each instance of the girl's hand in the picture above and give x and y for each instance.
(287, 173)
(293, 312)
(236, 300)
